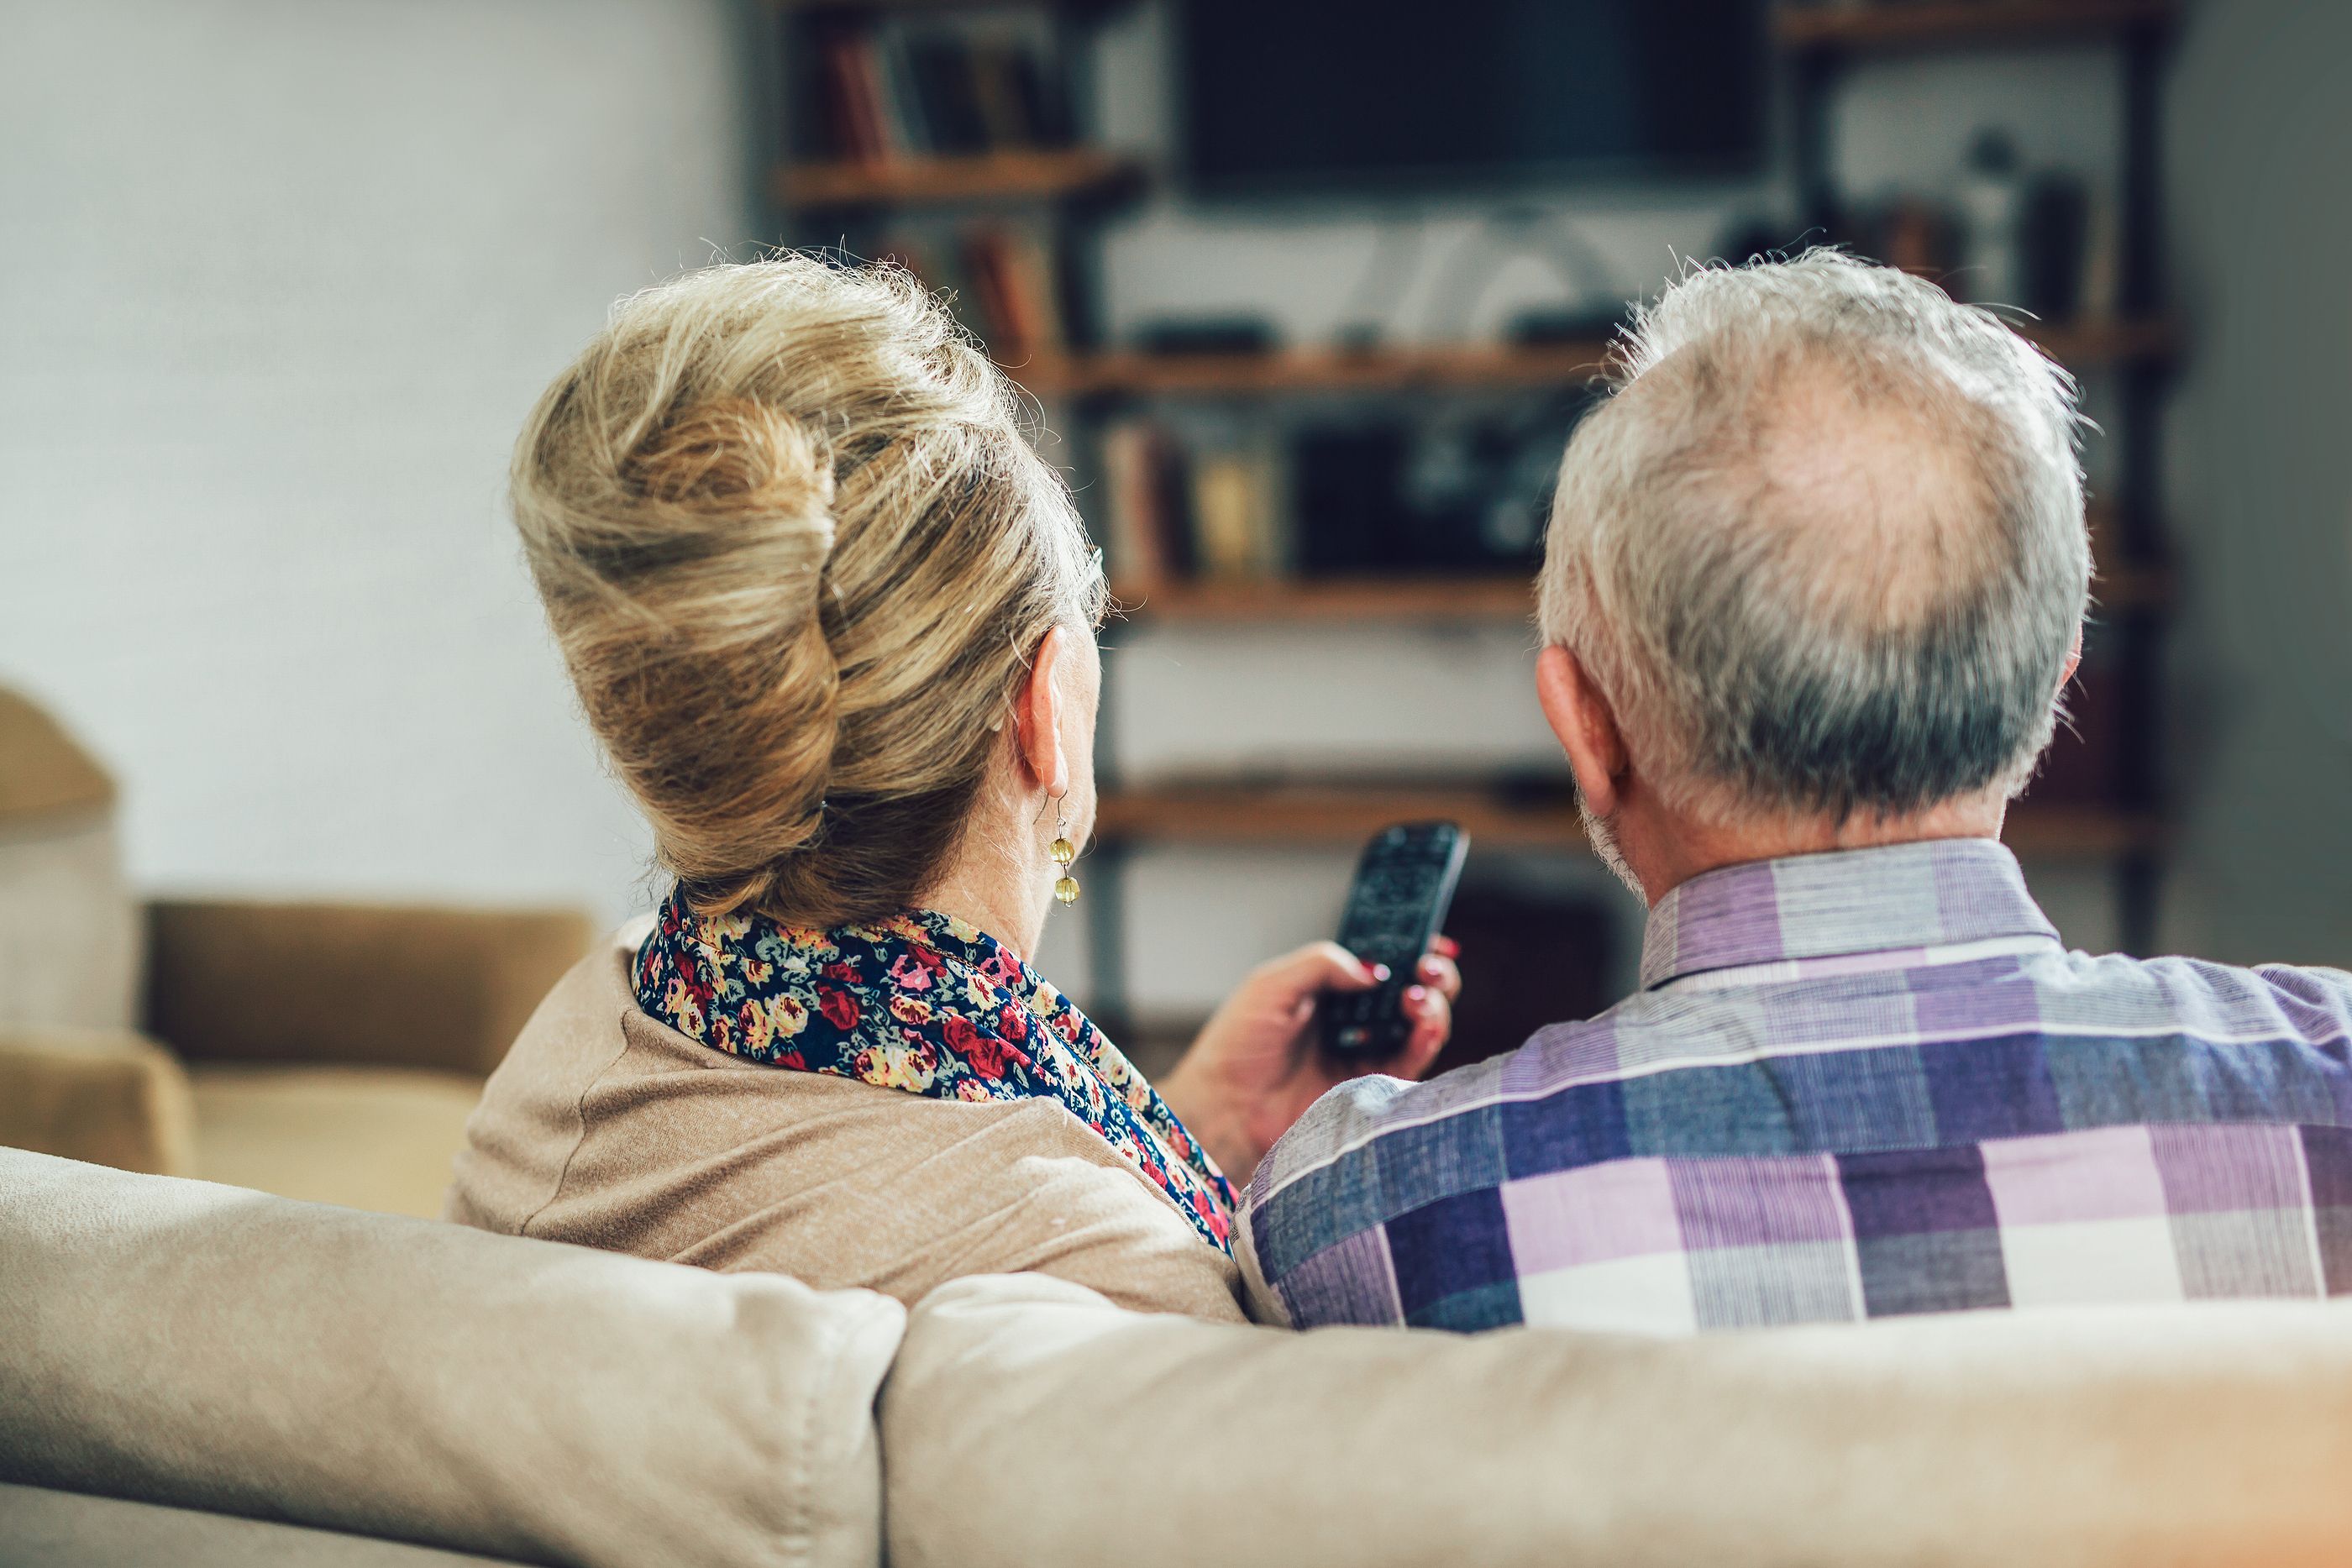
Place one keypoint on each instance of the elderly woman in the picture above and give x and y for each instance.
(832, 621)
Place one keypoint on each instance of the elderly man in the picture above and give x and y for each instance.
(1815, 580)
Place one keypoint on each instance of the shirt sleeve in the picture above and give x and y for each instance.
(1260, 1300)
(1321, 1263)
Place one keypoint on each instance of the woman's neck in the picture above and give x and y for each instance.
(989, 885)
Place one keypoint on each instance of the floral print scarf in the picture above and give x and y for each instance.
(923, 1003)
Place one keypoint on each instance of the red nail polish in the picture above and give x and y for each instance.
(1379, 971)
(1415, 996)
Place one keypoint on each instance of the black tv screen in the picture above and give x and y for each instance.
(1289, 95)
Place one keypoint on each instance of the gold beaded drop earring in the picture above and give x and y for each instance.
(1065, 888)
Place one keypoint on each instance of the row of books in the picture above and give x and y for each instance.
(1350, 497)
(902, 89)
(999, 279)
(2059, 258)
(1170, 514)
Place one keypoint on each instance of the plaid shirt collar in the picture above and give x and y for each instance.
(1892, 906)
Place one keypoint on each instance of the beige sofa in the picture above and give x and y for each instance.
(364, 1379)
(316, 1051)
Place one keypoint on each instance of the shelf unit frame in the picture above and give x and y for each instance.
(1821, 45)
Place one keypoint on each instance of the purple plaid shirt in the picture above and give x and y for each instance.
(1853, 1085)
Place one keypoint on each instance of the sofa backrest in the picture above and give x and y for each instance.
(198, 1344)
(184, 1342)
(2192, 1434)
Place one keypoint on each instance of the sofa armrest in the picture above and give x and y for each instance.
(209, 1347)
(105, 1096)
(357, 984)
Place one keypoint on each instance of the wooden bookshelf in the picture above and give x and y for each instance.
(1332, 814)
(1486, 597)
(1317, 370)
(1961, 24)
(1466, 367)
(2117, 587)
(1255, 816)
(1440, 599)
(2105, 345)
(1071, 190)
(1043, 174)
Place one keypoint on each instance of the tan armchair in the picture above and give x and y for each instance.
(317, 1050)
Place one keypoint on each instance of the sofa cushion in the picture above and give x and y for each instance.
(105, 1095)
(2188, 1436)
(75, 1530)
(380, 1138)
(69, 934)
(184, 1342)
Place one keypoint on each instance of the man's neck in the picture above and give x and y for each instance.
(1665, 849)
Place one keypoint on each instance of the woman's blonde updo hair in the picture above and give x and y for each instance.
(797, 551)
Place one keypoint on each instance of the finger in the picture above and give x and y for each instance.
(1439, 974)
(1427, 1011)
(1446, 947)
(1432, 1025)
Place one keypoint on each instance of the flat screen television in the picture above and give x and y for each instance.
(1373, 96)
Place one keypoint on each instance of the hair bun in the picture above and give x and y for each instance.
(796, 679)
(732, 455)
(747, 492)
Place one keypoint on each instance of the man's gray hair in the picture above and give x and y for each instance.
(1822, 548)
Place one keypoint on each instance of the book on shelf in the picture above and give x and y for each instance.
(1238, 515)
(1014, 279)
(2061, 261)
(1017, 105)
(909, 119)
(1130, 520)
(933, 87)
(998, 278)
(1175, 510)
(1147, 524)
(943, 85)
(853, 96)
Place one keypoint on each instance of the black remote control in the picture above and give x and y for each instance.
(1404, 885)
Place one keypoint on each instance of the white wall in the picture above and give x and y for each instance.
(278, 281)
(2260, 143)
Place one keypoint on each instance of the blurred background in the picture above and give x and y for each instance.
(1309, 295)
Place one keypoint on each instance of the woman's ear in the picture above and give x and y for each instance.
(1037, 714)
(1585, 726)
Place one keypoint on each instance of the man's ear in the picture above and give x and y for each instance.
(1585, 724)
(1037, 715)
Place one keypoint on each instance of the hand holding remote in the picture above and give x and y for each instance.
(1260, 1061)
